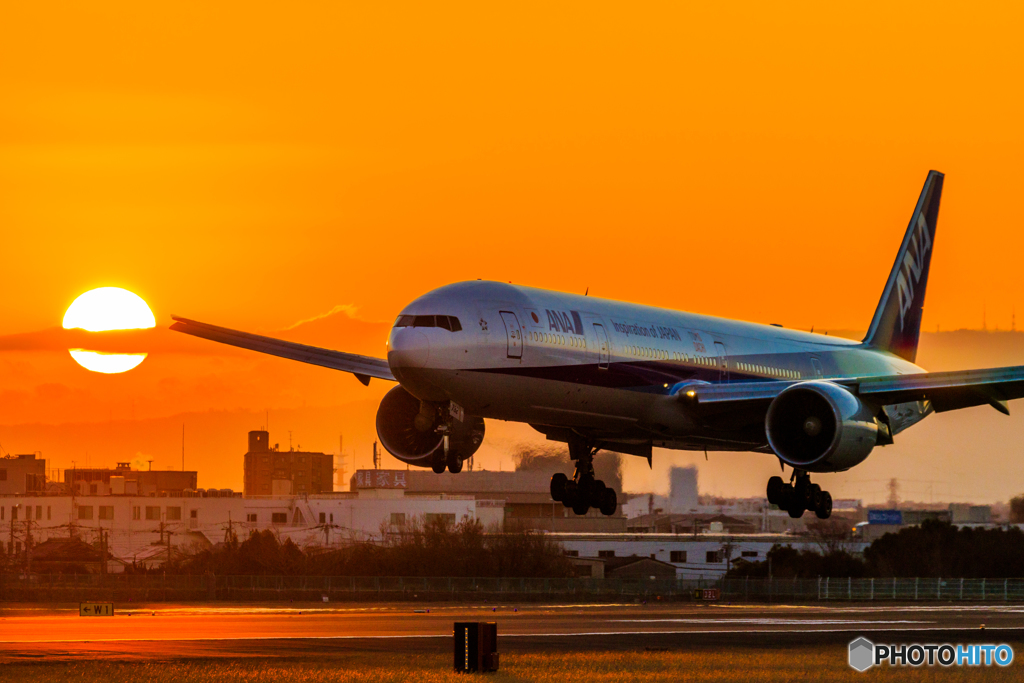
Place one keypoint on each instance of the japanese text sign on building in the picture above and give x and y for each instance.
(381, 479)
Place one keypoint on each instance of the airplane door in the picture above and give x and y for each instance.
(602, 346)
(515, 334)
(723, 362)
(817, 368)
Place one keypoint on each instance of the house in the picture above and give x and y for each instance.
(637, 567)
(72, 556)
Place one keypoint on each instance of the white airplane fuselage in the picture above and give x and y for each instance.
(568, 362)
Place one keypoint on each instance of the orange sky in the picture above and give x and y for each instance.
(257, 164)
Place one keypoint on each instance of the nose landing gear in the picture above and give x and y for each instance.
(448, 458)
(583, 491)
(799, 495)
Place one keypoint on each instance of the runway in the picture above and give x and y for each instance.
(184, 631)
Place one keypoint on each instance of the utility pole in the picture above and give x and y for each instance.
(182, 446)
(28, 546)
(74, 485)
(103, 552)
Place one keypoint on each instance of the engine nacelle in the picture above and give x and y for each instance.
(407, 428)
(820, 427)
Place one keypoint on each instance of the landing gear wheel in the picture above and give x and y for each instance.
(609, 502)
(438, 466)
(796, 512)
(570, 493)
(581, 507)
(775, 488)
(824, 509)
(454, 464)
(786, 498)
(594, 491)
(814, 494)
(558, 482)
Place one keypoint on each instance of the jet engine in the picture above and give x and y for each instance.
(820, 427)
(413, 431)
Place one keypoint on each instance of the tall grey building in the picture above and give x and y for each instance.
(683, 489)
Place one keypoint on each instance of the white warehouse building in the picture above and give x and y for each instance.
(140, 528)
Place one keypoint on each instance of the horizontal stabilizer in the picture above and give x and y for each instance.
(946, 390)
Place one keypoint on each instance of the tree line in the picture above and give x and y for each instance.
(934, 549)
(435, 548)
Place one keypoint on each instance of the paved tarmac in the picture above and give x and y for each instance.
(182, 631)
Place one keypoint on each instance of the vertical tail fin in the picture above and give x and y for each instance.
(896, 325)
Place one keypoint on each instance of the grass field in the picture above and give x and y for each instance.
(739, 665)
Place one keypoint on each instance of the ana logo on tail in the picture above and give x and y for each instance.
(913, 264)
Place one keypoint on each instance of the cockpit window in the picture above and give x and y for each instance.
(448, 322)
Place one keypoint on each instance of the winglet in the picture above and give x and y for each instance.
(896, 325)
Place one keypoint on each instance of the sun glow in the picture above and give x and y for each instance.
(105, 309)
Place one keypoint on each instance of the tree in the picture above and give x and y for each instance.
(787, 562)
(435, 548)
(831, 535)
(938, 549)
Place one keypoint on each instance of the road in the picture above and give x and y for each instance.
(175, 631)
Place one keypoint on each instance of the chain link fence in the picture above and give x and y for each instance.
(174, 587)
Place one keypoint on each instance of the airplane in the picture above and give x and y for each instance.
(606, 375)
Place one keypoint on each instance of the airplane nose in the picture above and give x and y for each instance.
(409, 348)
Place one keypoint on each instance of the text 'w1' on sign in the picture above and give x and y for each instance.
(96, 609)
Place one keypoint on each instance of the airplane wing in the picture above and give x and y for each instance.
(946, 390)
(363, 367)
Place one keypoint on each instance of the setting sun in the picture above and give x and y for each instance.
(105, 309)
(109, 308)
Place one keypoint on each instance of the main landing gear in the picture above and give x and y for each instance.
(799, 495)
(583, 492)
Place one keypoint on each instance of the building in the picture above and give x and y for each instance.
(123, 480)
(692, 524)
(72, 556)
(965, 513)
(272, 472)
(705, 556)
(144, 529)
(683, 491)
(889, 521)
(636, 567)
(22, 474)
